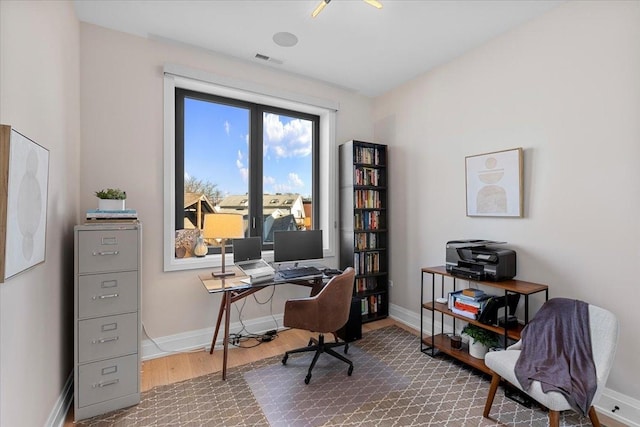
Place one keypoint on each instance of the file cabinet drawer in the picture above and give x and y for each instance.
(107, 250)
(109, 293)
(109, 379)
(108, 336)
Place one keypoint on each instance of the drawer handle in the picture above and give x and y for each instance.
(105, 253)
(105, 383)
(104, 340)
(105, 296)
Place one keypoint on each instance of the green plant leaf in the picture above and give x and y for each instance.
(481, 335)
(111, 194)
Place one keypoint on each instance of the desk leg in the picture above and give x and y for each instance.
(227, 316)
(316, 287)
(223, 305)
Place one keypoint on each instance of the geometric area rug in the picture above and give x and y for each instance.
(393, 384)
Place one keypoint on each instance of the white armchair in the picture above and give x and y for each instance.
(603, 327)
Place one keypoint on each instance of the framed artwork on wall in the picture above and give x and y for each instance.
(494, 184)
(24, 177)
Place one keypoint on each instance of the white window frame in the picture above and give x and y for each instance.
(176, 76)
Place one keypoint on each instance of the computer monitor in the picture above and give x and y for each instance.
(246, 249)
(297, 245)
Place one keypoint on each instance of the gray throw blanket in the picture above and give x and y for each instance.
(556, 350)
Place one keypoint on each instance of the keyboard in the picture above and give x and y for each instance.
(296, 272)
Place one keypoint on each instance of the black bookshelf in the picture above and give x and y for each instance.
(364, 216)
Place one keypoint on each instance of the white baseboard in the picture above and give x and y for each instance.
(628, 411)
(153, 347)
(629, 408)
(62, 405)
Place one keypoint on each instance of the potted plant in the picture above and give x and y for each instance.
(480, 340)
(111, 199)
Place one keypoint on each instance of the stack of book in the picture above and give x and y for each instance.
(99, 216)
(468, 302)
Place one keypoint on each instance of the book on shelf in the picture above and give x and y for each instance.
(466, 307)
(474, 305)
(473, 292)
(464, 313)
(364, 306)
(367, 155)
(101, 213)
(366, 176)
(90, 221)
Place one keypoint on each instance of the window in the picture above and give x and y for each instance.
(230, 150)
(227, 149)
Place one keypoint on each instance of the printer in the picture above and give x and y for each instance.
(480, 260)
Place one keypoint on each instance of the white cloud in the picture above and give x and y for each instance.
(227, 127)
(287, 140)
(295, 180)
(268, 180)
(282, 188)
(274, 128)
(244, 172)
(293, 183)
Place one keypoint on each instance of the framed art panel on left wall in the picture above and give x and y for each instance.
(24, 179)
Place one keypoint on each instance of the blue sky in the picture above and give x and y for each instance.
(216, 149)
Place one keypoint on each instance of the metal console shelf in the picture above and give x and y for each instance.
(434, 343)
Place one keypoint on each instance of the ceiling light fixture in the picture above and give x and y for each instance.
(324, 3)
(319, 8)
(374, 3)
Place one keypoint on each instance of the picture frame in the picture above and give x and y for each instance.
(24, 180)
(494, 184)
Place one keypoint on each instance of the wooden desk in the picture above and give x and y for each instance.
(233, 290)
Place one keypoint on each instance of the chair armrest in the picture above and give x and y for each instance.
(301, 313)
(516, 346)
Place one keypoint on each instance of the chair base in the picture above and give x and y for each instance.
(319, 346)
(554, 416)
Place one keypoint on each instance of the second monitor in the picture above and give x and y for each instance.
(297, 245)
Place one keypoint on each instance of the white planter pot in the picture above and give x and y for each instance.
(476, 349)
(110, 205)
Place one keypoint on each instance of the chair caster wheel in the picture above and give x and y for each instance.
(350, 371)
(284, 359)
(307, 379)
(346, 348)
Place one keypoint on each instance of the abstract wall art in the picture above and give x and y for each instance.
(494, 184)
(24, 175)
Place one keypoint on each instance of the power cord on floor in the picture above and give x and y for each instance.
(236, 339)
(241, 340)
(159, 347)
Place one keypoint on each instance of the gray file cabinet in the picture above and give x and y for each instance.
(107, 325)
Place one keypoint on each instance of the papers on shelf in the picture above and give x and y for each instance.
(99, 216)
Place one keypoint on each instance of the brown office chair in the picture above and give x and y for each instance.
(323, 313)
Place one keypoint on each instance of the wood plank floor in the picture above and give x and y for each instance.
(183, 366)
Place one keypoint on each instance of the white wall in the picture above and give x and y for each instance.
(122, 133)
(566, 88)
(39, 96)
